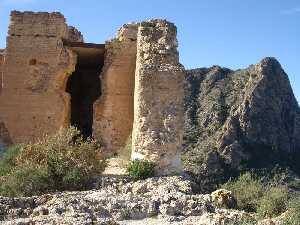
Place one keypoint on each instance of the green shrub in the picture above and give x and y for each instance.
(293, 215)
(25, 181)
(247, 191)
(7, 163)
(64, 161)
(141, 169)
(260, 193)
(274, 202)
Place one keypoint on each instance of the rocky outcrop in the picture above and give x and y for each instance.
(151, 201)
(240, 118)
(158, 98)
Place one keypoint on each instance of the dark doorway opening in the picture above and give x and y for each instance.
(84, 86)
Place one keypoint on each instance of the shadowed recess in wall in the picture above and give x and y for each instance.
(84, 84)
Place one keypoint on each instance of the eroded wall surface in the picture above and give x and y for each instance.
(141, 87)
(1, 67)
(36, 68)
(158, 98)
(113, 111)
(4, 135)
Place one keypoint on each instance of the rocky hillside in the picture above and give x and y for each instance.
(165, 200)
(239, 119)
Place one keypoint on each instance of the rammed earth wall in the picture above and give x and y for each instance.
(141, 86)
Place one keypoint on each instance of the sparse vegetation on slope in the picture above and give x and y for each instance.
(64, 161)
(293, 215)
(266, 195)
(247, 191)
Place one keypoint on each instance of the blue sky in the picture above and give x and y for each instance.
(230, 33)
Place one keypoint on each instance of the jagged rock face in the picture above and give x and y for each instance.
(237, 117)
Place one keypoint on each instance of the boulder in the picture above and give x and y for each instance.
(223, 198)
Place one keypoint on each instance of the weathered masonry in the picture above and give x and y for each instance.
(130, 88)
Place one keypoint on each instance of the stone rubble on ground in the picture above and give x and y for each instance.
(119, 200)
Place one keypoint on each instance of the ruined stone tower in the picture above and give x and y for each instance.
(131, 86)
(158, 114)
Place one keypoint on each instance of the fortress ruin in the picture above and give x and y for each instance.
(131, 86)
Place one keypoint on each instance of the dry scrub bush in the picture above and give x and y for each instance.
(247, 191)
(274, 202)
(293, 214)
(259, 195)
(64, 161)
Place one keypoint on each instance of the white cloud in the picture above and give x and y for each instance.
(291, 11)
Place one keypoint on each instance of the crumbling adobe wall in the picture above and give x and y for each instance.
(113, 111)
(1, 67)
(141, 93)
(74, 35)
(4, 135)
(158, 98)
(36, 68)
